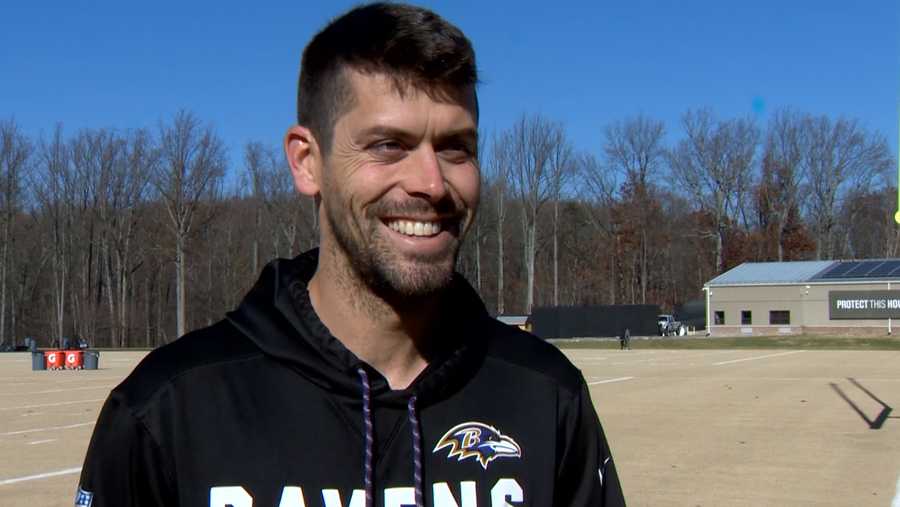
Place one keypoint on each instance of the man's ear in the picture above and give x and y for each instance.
(305, 160)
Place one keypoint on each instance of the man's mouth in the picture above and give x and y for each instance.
(415, 228)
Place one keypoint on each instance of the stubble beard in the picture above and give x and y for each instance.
(379, 267)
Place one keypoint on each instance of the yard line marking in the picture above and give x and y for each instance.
(607, 381)
(720, 363)
(39, 405)
(896, 502)
(655, 359)
(52, 428)
(14, 480)
(48, 391)
(38, 442)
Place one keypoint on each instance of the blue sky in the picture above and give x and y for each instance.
(586, 64)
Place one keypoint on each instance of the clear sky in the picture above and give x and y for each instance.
(128, 64)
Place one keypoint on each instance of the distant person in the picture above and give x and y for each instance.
(627, 339)
(365, 372)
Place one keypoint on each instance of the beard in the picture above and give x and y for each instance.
(377, 264)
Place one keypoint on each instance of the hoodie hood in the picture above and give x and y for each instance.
(278, 316)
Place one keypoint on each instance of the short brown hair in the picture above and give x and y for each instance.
(413, 46)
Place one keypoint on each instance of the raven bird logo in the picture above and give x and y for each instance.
(480, 441)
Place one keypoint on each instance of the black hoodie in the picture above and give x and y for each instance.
(267, 409)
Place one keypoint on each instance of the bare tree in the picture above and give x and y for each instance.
(54, 188)
(532, 140)
(497, 174)
(562, 168)
(192, 161)
(597, 194)
(714, 166)
(839, 156)
(15, 150)
(782, 173)
(634, 150)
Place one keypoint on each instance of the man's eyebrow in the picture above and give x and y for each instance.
(468, 134)
(385, 131)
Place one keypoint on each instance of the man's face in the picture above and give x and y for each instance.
(400, 185)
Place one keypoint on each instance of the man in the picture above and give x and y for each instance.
(365, 372)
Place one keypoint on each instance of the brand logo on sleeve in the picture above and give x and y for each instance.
(477, 440)
(83, 498)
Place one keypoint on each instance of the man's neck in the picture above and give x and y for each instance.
(389, 338)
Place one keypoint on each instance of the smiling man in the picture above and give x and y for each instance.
(365, 372)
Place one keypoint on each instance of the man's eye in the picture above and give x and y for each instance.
(457, 152)
(388, 147)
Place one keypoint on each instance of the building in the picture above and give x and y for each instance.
(857, 297)
(522, 322)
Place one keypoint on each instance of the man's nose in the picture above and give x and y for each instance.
(425, 175)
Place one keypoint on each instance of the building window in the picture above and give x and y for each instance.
(746, 317)
(780, 317)
(719, 318)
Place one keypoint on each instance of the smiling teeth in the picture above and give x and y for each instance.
(411, 228)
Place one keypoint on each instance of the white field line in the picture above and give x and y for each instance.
(40, 405)
(67, 471)
(896, 501)
(679, 360)
(38, 442)
(52, 428)
(754, 358)
(609, 381)
(48, 391)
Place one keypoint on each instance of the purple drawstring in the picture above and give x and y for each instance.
(370, 437)
(370, 440)
(417, 450)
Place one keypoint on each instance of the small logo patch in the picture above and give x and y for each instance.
(83, 498)
(477, 440)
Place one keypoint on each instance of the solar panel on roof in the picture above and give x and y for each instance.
(885, 268)
(861, 269)
(839, 270)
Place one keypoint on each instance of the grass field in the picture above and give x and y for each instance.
(723, 427)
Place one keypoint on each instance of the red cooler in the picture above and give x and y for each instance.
(74, 360)
(55, 359)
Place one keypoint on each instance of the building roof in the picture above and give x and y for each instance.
(513, 320)
(771, 273)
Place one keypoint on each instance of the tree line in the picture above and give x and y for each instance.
(132, 237)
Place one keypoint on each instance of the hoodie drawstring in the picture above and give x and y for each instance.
(370, 442)
(370, 436)
(417, 450)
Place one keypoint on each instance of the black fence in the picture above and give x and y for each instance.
(692, 313)
(594, 321)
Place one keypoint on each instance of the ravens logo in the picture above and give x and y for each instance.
(480, 441)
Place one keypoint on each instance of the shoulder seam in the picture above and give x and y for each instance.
(573, 391)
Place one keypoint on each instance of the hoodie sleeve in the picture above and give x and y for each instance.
(586, 474)
(124, 466)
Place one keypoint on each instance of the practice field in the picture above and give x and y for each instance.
(687, 427)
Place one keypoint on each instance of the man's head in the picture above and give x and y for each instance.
(415, 47)
(387, 141)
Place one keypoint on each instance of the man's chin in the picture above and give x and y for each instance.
(414, 279)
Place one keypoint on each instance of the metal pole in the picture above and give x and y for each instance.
(708, 329)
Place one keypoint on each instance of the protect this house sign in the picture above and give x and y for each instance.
(864, 304)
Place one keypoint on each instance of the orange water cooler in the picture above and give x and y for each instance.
(74, 360)
(55, 359)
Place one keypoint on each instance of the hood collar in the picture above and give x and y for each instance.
(278, 316)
